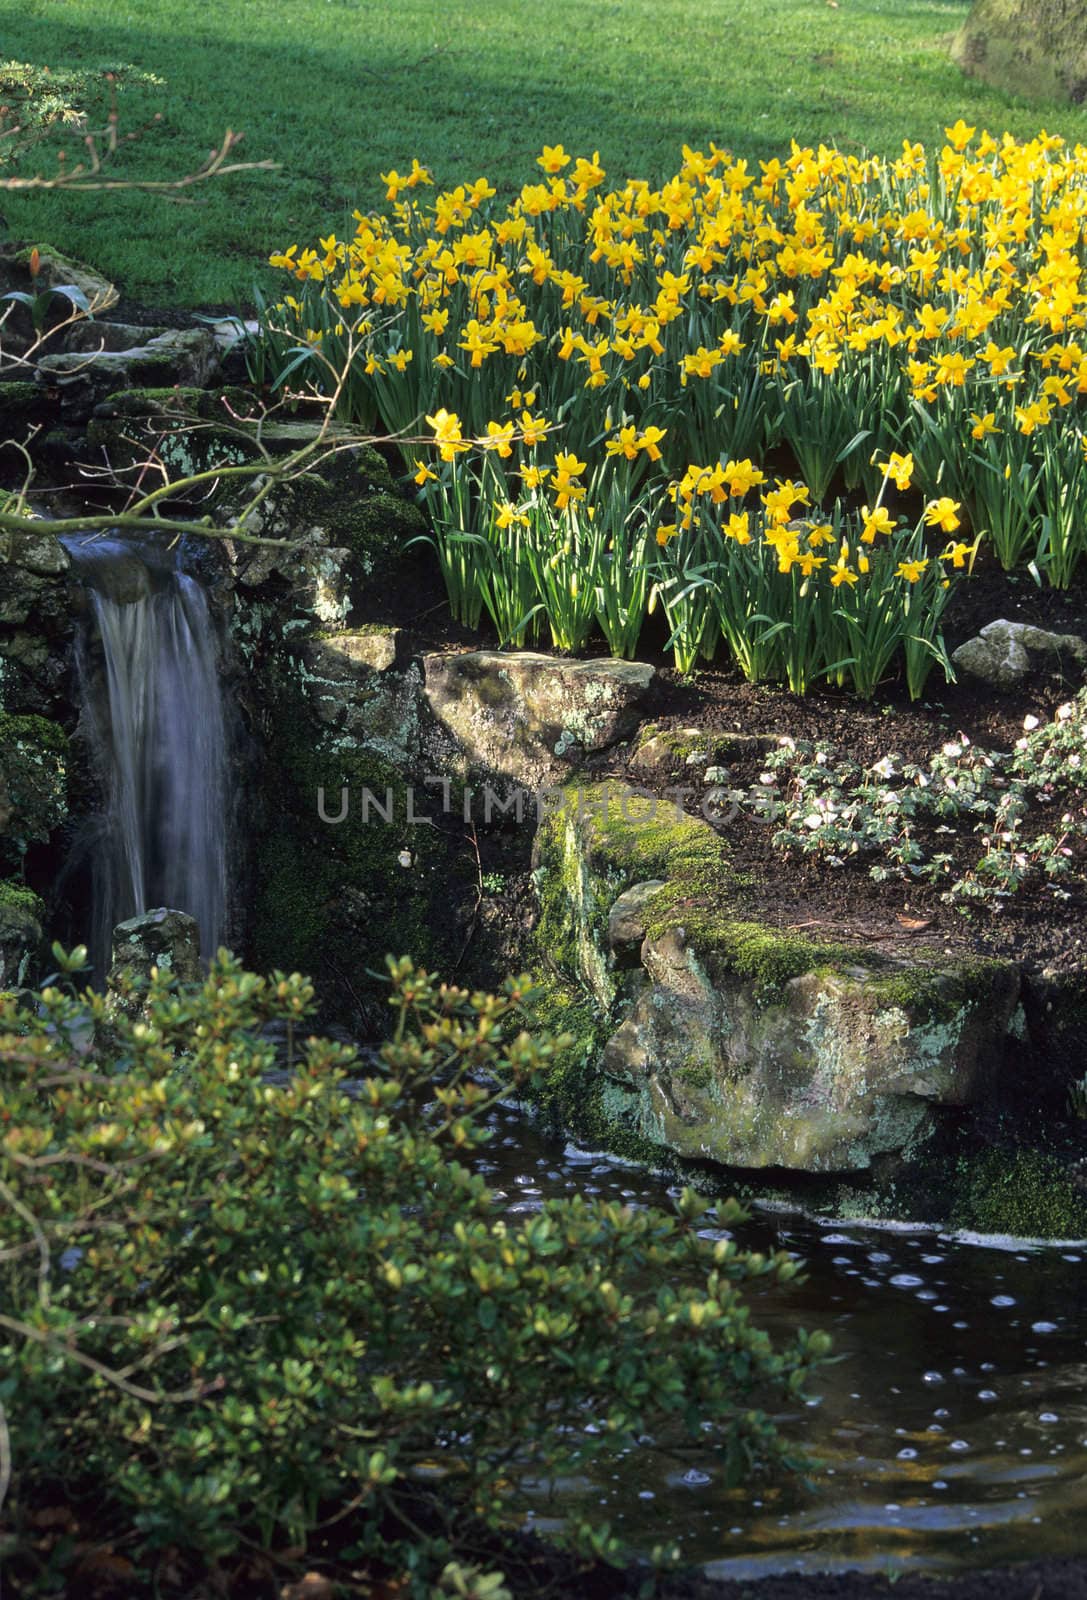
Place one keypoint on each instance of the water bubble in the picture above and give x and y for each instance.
(878, 1257)
(906, 1455)
(938, 1483)
(933, 1377)
(695, 1479)
(646, 1494)
(932, 1261)
(1043, 1327)
(906, 1280)
(988, 1394)
(942, 1412)
(1049, 1416)
(958, 1444)
(1002, 1300)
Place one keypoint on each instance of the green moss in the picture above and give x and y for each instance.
(15, 896)
(1027, 1193)
(20, 403)
(32, 733)
(626, 840)
(575, 1096)
(935, 995)
(33, 778)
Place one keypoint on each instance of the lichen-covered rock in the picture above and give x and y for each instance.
(163, 938)
(355, 691)
(348, 527)
(530, 717)
(20, 932)
(33, 569)
(743, 1045)
(1005, 653)
(659, 752)
(92, 336)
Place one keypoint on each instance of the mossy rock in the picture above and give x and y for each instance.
(33, 782)
(348, 527)
(738, 1043)
(20, 931)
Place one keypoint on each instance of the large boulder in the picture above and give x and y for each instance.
(739, 1044)
(531, 717)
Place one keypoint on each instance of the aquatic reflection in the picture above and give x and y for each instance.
(952, 1431)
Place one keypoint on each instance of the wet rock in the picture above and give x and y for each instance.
(1005, 653)
(33, 783)
(532, 717)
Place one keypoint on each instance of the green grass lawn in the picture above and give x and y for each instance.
(337, 91)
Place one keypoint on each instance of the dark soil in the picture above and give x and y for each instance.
(803, 893)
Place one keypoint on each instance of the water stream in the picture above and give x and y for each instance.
(152, 709)
(952, 1432)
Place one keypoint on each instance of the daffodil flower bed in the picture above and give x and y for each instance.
(605, 380)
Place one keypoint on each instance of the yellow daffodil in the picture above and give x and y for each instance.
(876, 522)
(899, 469)
(942, 513)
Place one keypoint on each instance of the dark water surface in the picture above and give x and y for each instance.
(953, 1432)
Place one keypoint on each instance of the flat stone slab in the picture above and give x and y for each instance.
(531, 717)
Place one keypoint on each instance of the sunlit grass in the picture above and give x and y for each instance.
(338, 91)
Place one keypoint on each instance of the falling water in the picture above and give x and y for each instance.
(152, 708)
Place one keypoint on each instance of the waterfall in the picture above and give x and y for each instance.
(153, 712)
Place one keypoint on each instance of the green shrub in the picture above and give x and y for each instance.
(235, 1302)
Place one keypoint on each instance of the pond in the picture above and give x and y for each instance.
(951, 1430)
